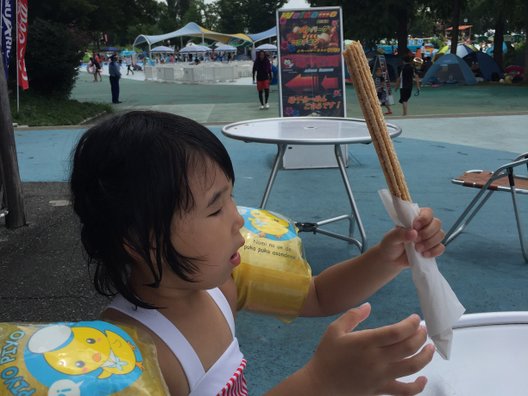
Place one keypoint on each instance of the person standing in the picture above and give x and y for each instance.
(97, 63)
(405, 82)
(115, 75)
(130, 68)
(382, 89)
(263, 74)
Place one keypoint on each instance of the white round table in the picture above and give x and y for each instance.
(489, 357)
(334, 131)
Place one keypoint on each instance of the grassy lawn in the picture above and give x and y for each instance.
(38, 110)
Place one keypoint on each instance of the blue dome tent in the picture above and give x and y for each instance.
(449, 69)
(486, 64)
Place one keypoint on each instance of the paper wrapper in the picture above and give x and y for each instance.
(440, 306)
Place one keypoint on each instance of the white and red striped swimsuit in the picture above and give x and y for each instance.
(224, 378)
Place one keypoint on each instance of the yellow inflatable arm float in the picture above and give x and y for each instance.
(273, 276)
(78, 358)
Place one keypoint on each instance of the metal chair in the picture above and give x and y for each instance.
(505, 178)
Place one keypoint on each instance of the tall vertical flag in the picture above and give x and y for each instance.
(22, 28)
(7, 31)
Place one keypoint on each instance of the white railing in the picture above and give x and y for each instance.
(205, 72)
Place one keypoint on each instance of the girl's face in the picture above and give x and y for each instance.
(209, 232)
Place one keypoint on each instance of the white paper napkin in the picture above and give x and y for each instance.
(440, 306)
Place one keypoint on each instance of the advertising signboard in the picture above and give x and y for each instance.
(311, 76)
(311, 68)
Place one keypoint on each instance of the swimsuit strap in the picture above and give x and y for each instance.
(220, 300)
(171, 336)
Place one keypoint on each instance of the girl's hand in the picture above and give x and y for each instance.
(426, 233)
(369, 362)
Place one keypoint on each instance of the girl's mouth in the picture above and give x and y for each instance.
(235, 259)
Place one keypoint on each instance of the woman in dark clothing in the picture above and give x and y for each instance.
(262, 72)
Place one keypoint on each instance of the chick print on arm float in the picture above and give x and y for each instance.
(273, 276)
(74, 359)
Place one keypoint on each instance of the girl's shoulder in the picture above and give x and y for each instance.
(229, 290)
(170, 366)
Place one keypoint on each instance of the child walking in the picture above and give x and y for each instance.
(382, 89)
(153, 192)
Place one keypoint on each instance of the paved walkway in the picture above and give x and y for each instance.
(230, 102)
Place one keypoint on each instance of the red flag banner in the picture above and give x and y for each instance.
(22, 26)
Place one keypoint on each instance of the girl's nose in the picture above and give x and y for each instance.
(239, 220)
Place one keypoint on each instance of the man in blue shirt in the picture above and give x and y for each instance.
(115, 75)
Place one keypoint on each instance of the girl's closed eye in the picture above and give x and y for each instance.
(216, 213)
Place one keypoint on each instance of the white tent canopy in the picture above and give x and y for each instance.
(191, 49)
(225, 48)
(162, 48)
(266, 47)
(194, 30)
(190, 30)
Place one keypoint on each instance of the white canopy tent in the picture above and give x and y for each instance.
(194, 30)
(191, 49)
(190, 30)
(162, 49)
(225, 48)
(266, 47)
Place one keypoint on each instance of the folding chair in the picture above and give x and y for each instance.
(505, 178)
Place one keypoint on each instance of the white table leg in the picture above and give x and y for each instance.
(281, 149)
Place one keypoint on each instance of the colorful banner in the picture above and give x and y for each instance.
(311, 62)
(8, 13)
(22, 25)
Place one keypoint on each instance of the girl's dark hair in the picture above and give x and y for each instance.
(129, 176)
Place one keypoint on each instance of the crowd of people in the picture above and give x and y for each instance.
(211, 56)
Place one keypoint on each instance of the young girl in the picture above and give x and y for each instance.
(382, 89)
(154, 195)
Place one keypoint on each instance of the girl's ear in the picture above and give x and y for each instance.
(129, 249)
(139, 263)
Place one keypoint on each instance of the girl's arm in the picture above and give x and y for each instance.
(417, 81)
(344, 285)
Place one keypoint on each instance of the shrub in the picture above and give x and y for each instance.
(53, 57)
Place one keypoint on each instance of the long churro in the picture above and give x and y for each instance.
(359, 71)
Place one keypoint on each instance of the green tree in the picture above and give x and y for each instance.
(99, 18)
(371, 20)
(195, 13)
(502, 16)
(52, 68)
(261, 14)
(112, 18)
(60, 30)
(211, 18)
(230, 19)
(176, 9)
